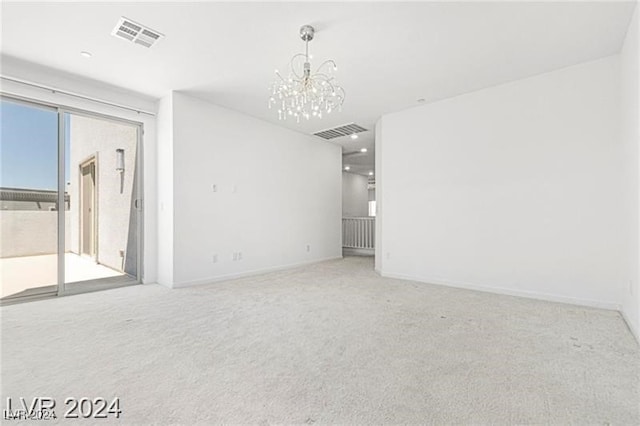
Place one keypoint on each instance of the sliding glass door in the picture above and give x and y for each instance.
(70, 202)
(102, 245)
(28, 199)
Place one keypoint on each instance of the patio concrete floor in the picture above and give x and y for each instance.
(27, 272)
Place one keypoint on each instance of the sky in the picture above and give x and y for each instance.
(29, 147)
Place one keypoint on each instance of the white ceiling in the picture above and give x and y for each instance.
(388, 54)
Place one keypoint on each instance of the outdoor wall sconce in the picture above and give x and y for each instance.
(120, 167)
(120, 160)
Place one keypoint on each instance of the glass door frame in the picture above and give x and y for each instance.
(138, 202)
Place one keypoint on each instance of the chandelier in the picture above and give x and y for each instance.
(303, 93)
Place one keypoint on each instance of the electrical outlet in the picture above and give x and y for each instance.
(214, 187)
(214, 258)
(308, 247)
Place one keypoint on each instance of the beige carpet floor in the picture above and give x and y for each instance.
(327, 343)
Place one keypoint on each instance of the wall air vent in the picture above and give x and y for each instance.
(336, 132)
(136, 33)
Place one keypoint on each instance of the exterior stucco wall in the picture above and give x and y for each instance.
(30, 233)
(100, 138)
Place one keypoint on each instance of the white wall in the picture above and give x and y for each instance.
(355, 195)
(13, 67)
(630, 92)
(519, 189)
(379, 249)
(30, 232)
(165, 190)
(277, 191)
(100, 138)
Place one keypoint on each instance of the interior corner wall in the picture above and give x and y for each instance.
(165, 191)
(242, 185)
(378, 251)
(355, 195)
(515, 189)
(630, 113)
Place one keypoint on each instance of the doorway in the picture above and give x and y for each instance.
(88, 216)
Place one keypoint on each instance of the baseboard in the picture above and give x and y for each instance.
(357, 252)
(631, 325)
(250, 273)
(510, 292)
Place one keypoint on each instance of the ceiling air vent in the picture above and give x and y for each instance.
(336, 132)
(136, 33)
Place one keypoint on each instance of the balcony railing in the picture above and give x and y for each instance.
(358, 232)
